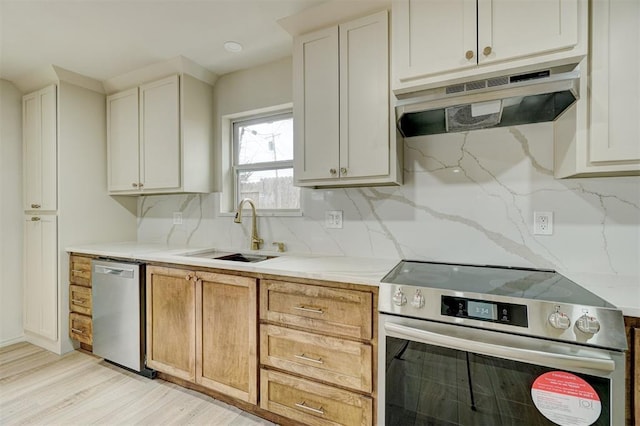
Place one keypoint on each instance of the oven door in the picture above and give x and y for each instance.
(442, 374)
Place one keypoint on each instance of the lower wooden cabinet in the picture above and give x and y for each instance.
(226, 335)
(312, 403)
(80, 301)
(202, 327)
(318, 351)
(81, 328)
(632, 327)
(171, 321)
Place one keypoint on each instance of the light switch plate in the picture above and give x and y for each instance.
(333, 219)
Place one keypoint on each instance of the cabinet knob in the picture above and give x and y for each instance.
(188, 277)
(343, 170)
(469, 54)
(35, 206)
(135, 185)
(141, 184)
(332, 171)
(35, 219)
(487, 51)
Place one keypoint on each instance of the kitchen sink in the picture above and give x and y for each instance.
(233, 257)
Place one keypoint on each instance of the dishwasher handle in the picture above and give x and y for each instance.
(109, 270)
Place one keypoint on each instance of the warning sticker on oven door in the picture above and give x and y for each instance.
(566, 399)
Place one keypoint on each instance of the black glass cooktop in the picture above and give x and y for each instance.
(522, 283)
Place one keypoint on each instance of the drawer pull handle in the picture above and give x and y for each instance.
(79, 301)
(306, 358)
(304, 405)
(77, 271)
(77, 331)
(315, 311)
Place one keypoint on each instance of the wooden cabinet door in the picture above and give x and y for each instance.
(160, 145)
(615, 82)
(39, 133)
(123, 155)
(171, 321)
(40, 276)
(513, 29)
(364, 97)
(227, 335)
(432, 37)
(316, 105)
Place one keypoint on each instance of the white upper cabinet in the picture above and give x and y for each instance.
(341, 108)
(436, 41)
(39, 133)
(122, 133)
(600, 135)
(160, 137)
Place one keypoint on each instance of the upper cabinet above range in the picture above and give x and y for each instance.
(438, 41)
(160, 138)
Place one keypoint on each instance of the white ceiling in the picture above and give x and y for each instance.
(102, 39)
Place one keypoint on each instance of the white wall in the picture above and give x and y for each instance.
(10, 214)
(467, 198)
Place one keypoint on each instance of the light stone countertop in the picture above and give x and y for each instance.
(623, 292)
(354, 270)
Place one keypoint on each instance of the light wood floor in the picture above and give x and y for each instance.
(38, 387)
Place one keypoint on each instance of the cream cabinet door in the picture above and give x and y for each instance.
(364, 97)
(40, 276)
(39, 133)
(316, 105)
(615, 82)
(123, 155)
(433, 37)
(510, 29)
(160, 144)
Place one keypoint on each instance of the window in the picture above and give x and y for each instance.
(263, 162)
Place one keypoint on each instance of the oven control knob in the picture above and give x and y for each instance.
(559, 320)
(399, 298)
(418, 300)
(588, 324)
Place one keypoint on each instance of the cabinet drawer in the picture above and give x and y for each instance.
(319, 309)
(80, 270)
(81, 328)
(312, 403)
(80, 299)
(342, 362)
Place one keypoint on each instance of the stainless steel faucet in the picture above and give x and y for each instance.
(255, 240)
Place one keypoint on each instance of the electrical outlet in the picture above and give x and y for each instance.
(177, 218)
(333, 219)
(543, 223)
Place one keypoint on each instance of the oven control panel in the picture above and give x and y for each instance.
(503, 313)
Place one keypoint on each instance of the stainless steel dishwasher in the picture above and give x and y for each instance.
(119, 314)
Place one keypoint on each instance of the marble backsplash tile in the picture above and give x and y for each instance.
(467, 198)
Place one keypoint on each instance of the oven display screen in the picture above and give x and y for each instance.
(504, 313)
(482, 310)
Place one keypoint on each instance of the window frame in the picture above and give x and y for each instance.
(234, 123)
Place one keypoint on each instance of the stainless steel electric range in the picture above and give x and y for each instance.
(490, 345)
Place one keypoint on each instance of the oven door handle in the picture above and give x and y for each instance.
(514, 353)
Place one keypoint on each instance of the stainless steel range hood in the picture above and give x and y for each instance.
(508, 100)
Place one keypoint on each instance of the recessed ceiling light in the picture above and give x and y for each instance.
(233, 46)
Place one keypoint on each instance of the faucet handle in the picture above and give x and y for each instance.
(280, 246)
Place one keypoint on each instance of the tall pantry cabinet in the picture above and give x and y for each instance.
(65, 195)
